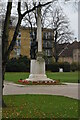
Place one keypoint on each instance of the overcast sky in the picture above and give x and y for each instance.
(71, 11)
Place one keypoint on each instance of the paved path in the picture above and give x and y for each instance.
(70, 89)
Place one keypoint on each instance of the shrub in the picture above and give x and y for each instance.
(20, 64)
(55, 67)
(66, 67)
(74, 67)
(52, 67)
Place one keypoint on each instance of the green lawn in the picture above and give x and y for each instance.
(40, 106)
(71, 77)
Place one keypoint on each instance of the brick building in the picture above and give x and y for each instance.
(22, 46)
(71, 53)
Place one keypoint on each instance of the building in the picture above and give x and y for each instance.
(22, 46)
(76, 55)
(71, 53)
(48, 38)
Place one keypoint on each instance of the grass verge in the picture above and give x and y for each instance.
(40, 106)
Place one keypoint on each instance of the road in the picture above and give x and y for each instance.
(69, 90)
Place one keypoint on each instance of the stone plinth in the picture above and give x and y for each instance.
(37, 71)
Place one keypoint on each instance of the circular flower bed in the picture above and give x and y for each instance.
(54, 82)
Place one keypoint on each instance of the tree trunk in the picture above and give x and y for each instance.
(7, 49)
(55, 48)
(56, 59)
(5, 35)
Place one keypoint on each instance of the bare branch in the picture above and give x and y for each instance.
(40, 5)
(19, 9)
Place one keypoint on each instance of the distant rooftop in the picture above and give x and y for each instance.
(68, 52)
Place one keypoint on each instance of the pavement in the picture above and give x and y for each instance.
(69, 89)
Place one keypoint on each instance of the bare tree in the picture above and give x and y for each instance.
(31, 21)
(6, 49)
(58, 21)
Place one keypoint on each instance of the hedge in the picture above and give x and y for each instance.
(55, 67)
(52, 67)
(21, 64)
(74, 67)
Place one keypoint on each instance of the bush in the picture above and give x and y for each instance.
(52, 67)
(74, 67)
(55, 67)
(18, 65)
(66, 67)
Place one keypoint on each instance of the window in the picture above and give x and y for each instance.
(18, 51)
(48, 52)
(48, 61)
(49, 43)
(49, 35)
(34, 34)
(45, 35)
(19, 36)
(18, 42)
(45, 44)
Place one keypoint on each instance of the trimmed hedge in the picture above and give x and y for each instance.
(55, 67)
(21, 64)
(52, 67)
(74, 67)
(65, 66)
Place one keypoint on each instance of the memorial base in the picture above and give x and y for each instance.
(37, 71)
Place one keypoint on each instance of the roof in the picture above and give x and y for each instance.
(67, 48)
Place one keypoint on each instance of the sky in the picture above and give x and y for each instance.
(71, 11)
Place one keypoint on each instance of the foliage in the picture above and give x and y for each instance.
(55, 67)
(74, 67)
(52, 67)
(20, 64)
(66, 67)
